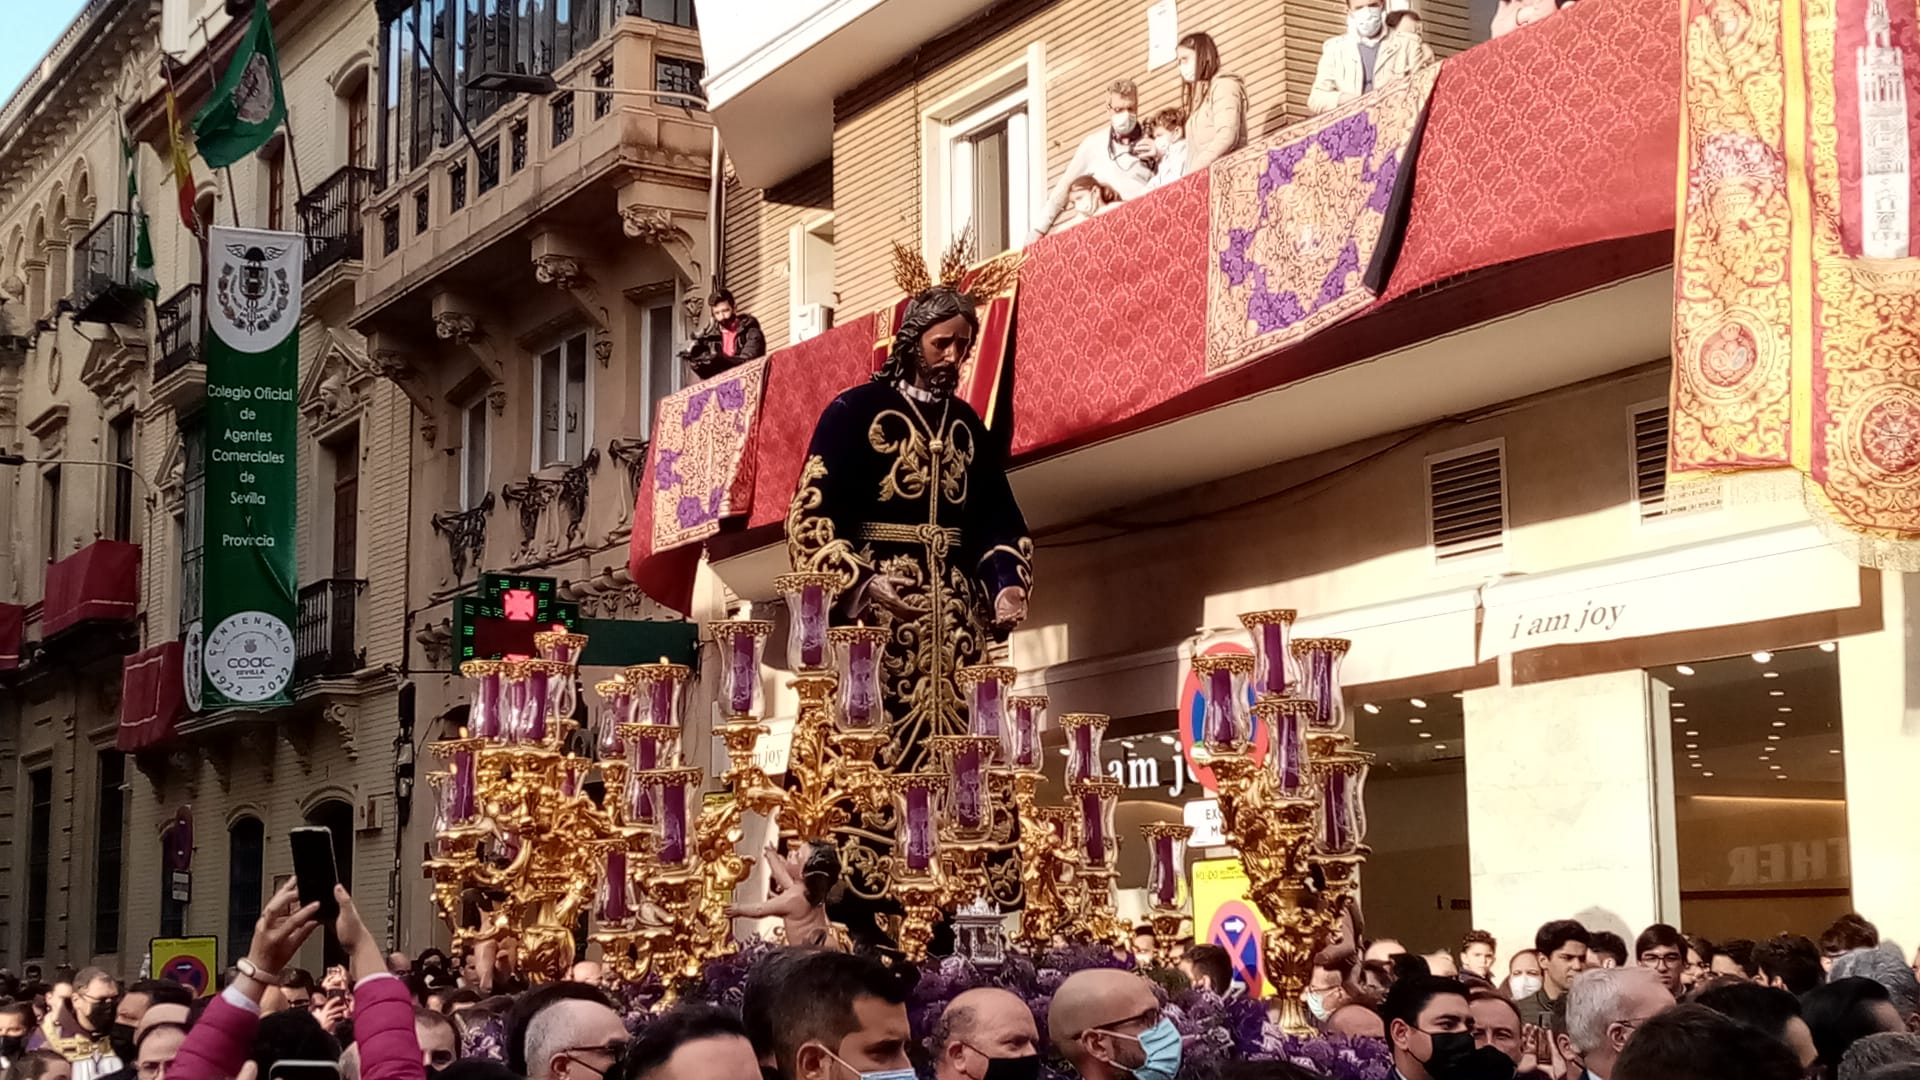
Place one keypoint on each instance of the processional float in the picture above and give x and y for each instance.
(523, 850)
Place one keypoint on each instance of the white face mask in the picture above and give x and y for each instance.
(1163, 144)
(1187, 69)
(1525, 986)
(1317, 1005)
(1366, 22)
(1123, 121)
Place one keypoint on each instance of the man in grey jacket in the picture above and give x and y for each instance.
(1112, 155)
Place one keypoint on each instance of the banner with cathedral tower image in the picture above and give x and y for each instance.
(1797, 307)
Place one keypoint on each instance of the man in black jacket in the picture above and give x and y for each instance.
(733, 339)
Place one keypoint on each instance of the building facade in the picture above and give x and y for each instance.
(1593, 694)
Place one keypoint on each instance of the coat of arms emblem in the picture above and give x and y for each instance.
(253, 95)
(251, 296)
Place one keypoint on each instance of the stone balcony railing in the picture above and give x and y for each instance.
(534, 153)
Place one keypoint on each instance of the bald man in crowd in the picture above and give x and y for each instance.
(986, 1033)
(1107, 1024)
(1356, 1021)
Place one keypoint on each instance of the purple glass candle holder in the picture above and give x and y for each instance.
(1084, 731)
(1166, 862)
(616, 712)
(442, 784)
(614, 898)
(659, 693)
(559, 646)
(809, 598)
(544, 678)
(484, 717)
(461, 780)
(1096, 798)
(1272, 633)
(1020, 736)
(1225, 724)
(741, 644)
(858, 652)
(967, 808)
(1319, 661)
(516, 705)
(915, 835)
(1287, 720)
(1342, 810)
(987, 687)
(676, 794)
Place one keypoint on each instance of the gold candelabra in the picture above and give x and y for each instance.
(1297, 817)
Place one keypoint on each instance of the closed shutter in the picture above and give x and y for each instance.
(1467, 503)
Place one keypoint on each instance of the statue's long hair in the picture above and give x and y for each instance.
(928, 309)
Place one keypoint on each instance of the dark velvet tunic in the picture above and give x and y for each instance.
(916, 490)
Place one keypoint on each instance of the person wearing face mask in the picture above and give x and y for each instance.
(80, 1027)
(1216, 103)
(1116, 155)
(1168, 131)
(1430, 1030)
(1108, 1025)
(16, 1026)
(1364, 57)
(131, 1013)
(840, 1016)
(1326, 991)
(1523, 974)
(986, 1034)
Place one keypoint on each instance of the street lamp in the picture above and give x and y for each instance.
(543, 84)
(21, 459)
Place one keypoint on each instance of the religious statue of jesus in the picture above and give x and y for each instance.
(904, 496)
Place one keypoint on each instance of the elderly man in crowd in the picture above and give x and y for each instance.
(1885, 965)
(564, 1031)
(1108, 1025)
(1605, 1006)
(986, 1034)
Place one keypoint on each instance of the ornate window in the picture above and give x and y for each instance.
(560, 404)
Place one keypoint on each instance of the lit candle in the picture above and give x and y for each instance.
(614, 904)
(743, 674)
(860, 696)
(616, 696)
(1093, 823)
(1165, 872)
(969, 800)
(673, 823)
(461, 810)
(919, 845)
(1271, 631)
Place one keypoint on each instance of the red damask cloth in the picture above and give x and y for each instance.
(153, 697)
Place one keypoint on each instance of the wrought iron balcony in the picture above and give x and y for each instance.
(179, 322)
(325, 637)
(331, 213)
(103, 285)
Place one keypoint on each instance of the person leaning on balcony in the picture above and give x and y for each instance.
(1168, 130)
(1216, 104)
(1112, 155)
(732, 340)
(1364, 57)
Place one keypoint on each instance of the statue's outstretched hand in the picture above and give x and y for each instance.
(1010, 607)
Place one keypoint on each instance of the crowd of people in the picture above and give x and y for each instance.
(1576, 1004)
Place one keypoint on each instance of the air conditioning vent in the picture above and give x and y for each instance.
(1654, 497)
(1467, 503)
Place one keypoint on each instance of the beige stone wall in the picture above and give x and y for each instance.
(759, 225)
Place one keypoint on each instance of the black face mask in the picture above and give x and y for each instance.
(12, 1046)
(1454, 1058)
(121, 1037)
(768, 1072)
(1013, 1068)
(100, 1017)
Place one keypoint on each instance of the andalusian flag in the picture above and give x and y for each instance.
(143, 277)
(250, 101)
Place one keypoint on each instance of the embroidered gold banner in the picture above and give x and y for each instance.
(1797, 296)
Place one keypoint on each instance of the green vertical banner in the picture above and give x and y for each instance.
(253, 361)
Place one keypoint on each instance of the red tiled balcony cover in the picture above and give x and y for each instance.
(100, 581)
(152, 697)
(13, 627)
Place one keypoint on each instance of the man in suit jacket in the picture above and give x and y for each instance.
(1369, 54)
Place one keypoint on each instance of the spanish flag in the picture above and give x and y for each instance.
(182, 166)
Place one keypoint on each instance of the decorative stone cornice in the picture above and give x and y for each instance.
(560, 271)
(457, 327)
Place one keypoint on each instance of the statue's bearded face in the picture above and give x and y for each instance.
(943, 348)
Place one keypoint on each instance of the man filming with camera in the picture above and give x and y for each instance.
(733, 339)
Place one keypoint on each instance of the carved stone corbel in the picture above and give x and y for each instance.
(436, 641)
(345, 719)
(564, 270)
(497, 399)
(397, 367)
(452, 323)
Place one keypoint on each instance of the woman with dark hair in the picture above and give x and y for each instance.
(1216, 104)
(1086, 197)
